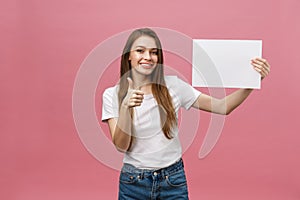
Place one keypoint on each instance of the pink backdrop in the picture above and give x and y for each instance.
(43, 44)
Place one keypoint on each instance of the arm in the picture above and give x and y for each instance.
(120, 128)
(226, 105)
(222, 106)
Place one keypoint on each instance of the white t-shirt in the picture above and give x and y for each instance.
(151, 149)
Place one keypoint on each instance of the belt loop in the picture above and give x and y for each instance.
(163, 173)
(142, 174)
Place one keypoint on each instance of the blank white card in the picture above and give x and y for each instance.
(225, 63)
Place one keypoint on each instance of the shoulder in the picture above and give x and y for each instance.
(182, 90)
(176, 86)
(174, 82)
(110, 103)
(171, 81)
(111, 92)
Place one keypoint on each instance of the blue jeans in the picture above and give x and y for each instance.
(141, 184)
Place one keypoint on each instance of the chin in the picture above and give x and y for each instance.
(145, 71)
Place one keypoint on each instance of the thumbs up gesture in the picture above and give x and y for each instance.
(134, 97)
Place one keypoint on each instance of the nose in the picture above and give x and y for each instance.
(147, 55)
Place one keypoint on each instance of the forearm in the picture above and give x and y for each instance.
(122, 134)
(235, 99)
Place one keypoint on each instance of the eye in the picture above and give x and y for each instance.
(154, 52)
(139, 50)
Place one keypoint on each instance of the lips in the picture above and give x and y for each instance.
(146, 65)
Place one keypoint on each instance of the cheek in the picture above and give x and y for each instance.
(134, 57)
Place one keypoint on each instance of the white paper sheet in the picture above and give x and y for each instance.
(225, 63)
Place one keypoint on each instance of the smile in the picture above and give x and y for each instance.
(146, 65)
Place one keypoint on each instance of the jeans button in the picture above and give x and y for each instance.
(155, 173)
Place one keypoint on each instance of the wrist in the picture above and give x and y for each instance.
(124, 105)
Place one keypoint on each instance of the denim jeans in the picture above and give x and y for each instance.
(165, 184)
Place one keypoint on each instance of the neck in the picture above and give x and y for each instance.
(143, 83)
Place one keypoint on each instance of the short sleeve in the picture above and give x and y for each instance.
(185, 93)
(110, 107)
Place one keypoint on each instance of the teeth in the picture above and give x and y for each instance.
(146, 65)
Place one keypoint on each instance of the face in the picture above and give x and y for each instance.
(143, 55)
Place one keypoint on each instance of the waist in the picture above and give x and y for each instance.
(178, 165)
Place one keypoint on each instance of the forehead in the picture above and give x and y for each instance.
(144, 41)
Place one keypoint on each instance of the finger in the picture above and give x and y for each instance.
(134, 103)
(258, 66)
(263, 67)
(130, 83)
(138, 104)
(139, 92)
(257, 69)
(137, 96)
(268, 67)
(262, 72)
(258, 62)
(137, 100)
(260, 69)
(262, 62)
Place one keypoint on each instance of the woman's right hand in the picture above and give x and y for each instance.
(134, 97)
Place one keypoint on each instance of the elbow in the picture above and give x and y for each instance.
(228, 111)
(121, 150)
(119, 146)
(223, 111)
(222, 108)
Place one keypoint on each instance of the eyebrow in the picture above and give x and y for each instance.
(155, 48)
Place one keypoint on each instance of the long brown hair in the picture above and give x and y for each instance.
(159, 89)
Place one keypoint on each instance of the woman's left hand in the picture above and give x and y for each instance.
(261, 66)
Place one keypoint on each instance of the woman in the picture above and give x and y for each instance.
(141, 112)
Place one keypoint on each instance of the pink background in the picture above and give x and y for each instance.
(43, 44)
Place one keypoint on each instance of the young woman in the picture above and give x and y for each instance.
(141, 112)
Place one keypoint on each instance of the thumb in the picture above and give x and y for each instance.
(130, 83)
